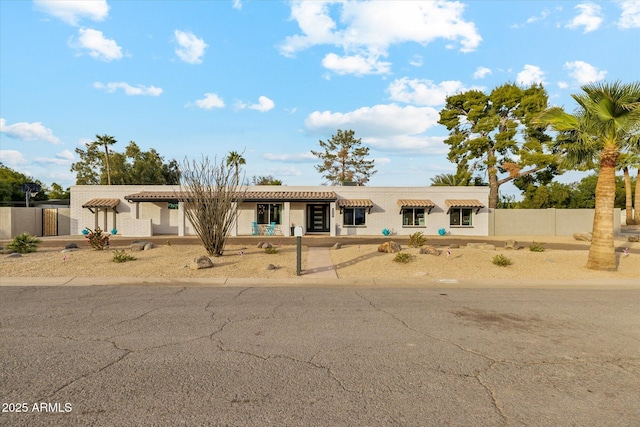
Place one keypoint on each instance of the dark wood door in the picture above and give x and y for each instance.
(317, 218)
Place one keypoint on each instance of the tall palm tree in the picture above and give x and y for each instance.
(606, 124)
(235, 159)
(106, 140)
(626, 161)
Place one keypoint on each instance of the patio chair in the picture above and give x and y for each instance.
(271, 229)
(255, 230)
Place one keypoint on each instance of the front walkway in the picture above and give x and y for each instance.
(319, 264)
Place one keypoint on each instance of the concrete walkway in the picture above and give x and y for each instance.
(319, 264)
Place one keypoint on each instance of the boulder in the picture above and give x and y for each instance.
(200, 263)
(270, 267)
(430, 250)
(137, 246)
(389, 247)
(71, 245)
(267, 245)
(583, 237)
(148, 246)
(338, 245)
(14, 255)
(634, 238)
(259, 245)
(64, 251)
(511, 244)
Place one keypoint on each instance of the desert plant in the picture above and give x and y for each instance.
(536, 247)
(122, 256)
(24, 243)
(403, 257)
(271, 250)
(97, 239)
(501, 260)
(417, 239)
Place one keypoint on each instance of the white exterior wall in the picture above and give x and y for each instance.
(149, 218)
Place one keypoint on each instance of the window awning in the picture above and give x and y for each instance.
(102, 203)
(464, 203)
(249, 196)
(354, 203)
(416, 203)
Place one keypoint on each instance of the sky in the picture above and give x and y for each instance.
(270, 79)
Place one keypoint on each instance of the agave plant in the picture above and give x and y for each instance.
(24, 243)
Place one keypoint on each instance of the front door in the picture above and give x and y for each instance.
(318, 218)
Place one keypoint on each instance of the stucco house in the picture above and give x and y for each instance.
(149, 210)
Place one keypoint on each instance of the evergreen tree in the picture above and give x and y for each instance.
(344, 160)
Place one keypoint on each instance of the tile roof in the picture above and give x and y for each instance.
(416, 203)
(164, 196)
(463, 203)
(101, 203)
(354, 203)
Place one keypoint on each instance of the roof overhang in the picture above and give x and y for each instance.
(464, 203)
(416, 203)
(102, 203)
(354, 203)
(248, 196)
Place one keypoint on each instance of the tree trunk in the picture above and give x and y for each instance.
(636, 203)
(493, 187)
(602, 254)
(106, 154)
(628, 204)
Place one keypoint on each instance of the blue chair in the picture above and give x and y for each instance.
(271, 229)
(255, 230)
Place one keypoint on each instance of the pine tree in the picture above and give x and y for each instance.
(344, 160)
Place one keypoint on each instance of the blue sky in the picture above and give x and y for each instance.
(272, 78)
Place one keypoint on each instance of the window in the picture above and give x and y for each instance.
(354, 216)
(269, 212)
(413, 217)
(460, 217)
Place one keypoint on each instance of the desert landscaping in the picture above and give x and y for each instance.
(351, 260)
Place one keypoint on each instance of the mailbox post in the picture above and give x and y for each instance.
(298, 233)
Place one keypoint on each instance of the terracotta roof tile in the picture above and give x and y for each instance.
(101, 203)
(158, 196)
(463, 203)
(354, 203)
(416, 203)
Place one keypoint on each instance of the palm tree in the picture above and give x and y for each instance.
(106, 140)
(606, 124)
(626, 161)
(234, 158)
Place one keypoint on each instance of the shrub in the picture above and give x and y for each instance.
(121, 256)
(24, 243)
(271, 250)
(417, 239)
(501, 260)
(97, 239)
(536, 247)
(403, 257)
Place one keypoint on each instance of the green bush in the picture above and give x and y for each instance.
(403, 257)
(24, 243)
(501, 260)
(96, 238)
(271, 250)
(417, 239)
(536, 247)
(121, 256)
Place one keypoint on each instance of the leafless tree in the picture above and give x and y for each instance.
(210, 194)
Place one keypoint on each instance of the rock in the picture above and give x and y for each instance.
(389, 247)
(271, 267)
(136, 246)
(430, 250)
(148, 246)
(64, 251)
(338, 245)
(511, 244)
(583, 237)
(200, 263)
(634, 238)
(71, 245)
(260, 244)
(267, 245)
(14, 255)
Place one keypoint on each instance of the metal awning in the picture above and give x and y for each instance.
(102, 203)
(416, 203)
(354, 203)
(464, 203)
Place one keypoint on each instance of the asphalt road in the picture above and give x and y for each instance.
(169, 356)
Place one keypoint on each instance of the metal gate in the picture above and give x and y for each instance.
(49, 222)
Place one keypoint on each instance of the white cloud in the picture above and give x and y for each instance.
(481, 73)
(71, 11)
(416, 61)
(367, 29)
(28, 131)
(237, 4)
(190, 48)
(531, 74)
(264, 104)
(563, 85)
(62, 158)
(590, 17)
(584, 72)
(291, 158)
(355, 64)
(382, 160)
(542, 16)
(423, 92)
(97, 45)
(111, 87)
(210, 100)
(12, 158)
(284, 171)
(387, 127)
(630, 16)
